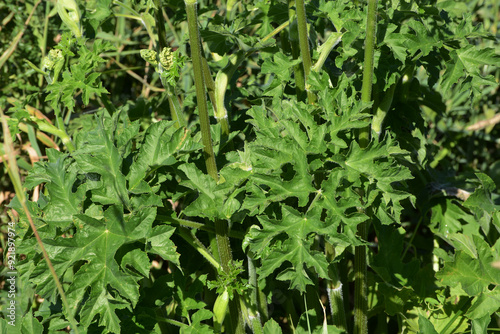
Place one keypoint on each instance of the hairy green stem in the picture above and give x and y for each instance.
(334, 290)
(221, 227)
(293, 36)
(254, 313)
(223, 245)
(360, 279)
(366, 88)
(304, 45)
(360, 284)
(206, 137)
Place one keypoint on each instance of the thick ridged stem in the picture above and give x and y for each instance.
(334, 290)
(293, 36)
(360, 284)
(254, 313)
(304, 44)
(221, 227)
(366, 88)
(360, 269)
(194, 38)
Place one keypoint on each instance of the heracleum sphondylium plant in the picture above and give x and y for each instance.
(260, 220)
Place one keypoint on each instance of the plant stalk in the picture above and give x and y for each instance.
(175, 107)
(221, 227)
(360, 284)
(360, 266)
(304, 45)
(253, 312)
(366, 88)
(194, 38)
(334, 290)
(298, 70)
(45, 126)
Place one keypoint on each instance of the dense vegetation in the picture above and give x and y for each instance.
(258, 166)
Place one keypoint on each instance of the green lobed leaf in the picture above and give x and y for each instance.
(485, 304)
(480, 200)
(99, 286)
(158, 148)
(96, 153)
(159, 243)
(466, 62)
(280, 65)
(59, 180)
(296, 249)
(474, 275)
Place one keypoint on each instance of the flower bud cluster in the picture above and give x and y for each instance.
(167, 58)
(166, 63)
(49, 62)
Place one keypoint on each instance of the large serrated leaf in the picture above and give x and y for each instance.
(160, 143)
(466, 62)
(100, 286)
(59, 181)
(475, 275)
(98, 154)
(295, 250)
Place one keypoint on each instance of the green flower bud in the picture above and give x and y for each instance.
(48, 64)
(149, 56)
(170, 63)
(167, 58)
(52, 64)
(56, 55)
(70, 14)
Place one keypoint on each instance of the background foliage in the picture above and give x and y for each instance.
(121, 199)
